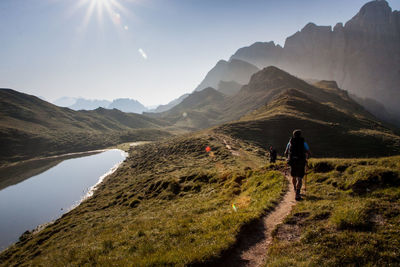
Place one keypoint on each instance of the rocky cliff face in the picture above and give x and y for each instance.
(363, 55)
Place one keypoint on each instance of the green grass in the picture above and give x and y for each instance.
(169, 204)
(350, 216)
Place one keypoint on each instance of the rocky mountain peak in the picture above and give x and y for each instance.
(376, 12)
(377, 8)
(272, 78)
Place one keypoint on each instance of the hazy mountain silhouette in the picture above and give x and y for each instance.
(127, 105)
(65, 101)
(122, 104)
(171, 104)
(232, 70)
(362, 56)
(89, 104)
(229, 88)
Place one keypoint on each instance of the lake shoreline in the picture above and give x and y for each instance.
(87, 195)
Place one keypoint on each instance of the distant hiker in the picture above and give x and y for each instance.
(298, 152)
(272, 155)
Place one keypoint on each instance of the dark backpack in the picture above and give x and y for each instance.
(297, 153)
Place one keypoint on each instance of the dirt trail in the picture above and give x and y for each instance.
(253, 242)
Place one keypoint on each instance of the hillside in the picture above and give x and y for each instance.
(349, 216)
(170, 203)
(362, 55)
(199, 110)
(334, 124)
(31, 127)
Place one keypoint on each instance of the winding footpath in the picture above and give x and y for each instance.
(256, 254)
(251, 249)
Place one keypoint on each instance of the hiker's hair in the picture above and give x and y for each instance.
(297, 133)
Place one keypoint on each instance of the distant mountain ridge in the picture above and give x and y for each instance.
(127, 105)
(122, 104)
(89, 104)
(362, 56)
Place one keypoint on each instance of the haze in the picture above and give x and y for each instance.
(152, 51)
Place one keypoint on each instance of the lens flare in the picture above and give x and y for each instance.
(142, 53)
(234, 207)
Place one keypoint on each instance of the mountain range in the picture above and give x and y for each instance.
(273, 102)
(362, 56)
(122, 104)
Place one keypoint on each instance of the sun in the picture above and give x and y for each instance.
(112, 8)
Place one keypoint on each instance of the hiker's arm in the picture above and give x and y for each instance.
(308, 151)
(286, 150)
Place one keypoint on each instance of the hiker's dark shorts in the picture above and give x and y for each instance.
(297, 169)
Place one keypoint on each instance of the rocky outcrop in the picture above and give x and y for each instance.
(363, 55)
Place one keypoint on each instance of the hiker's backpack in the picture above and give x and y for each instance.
(297, 153)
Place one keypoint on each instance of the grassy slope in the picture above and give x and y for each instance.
(170, 203)
(197, 111)
(350, 216)
(32, 127)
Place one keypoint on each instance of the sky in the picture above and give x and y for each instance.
(149, 50)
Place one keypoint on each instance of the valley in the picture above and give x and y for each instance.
(196, 186)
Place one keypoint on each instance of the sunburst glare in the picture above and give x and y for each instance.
(111, 7)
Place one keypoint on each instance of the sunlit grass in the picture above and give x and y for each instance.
(350, 216)
(169, 204)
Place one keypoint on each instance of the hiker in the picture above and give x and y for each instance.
(298, 152)
(272, 155)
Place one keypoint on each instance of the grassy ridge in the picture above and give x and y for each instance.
(169, 204)
(350, 216)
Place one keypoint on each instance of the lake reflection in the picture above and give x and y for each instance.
(46, 196)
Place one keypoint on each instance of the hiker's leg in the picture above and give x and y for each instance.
(299, 183)
(298, 188)
(294, 182)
